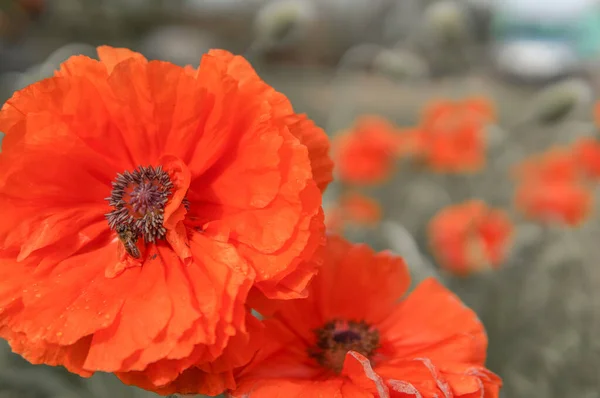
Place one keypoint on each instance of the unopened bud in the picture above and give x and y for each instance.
(446, 22)
(556, 102)
(282, 22)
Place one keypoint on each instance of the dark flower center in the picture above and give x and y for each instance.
(138, 200)
(346, 337)
(336, 338)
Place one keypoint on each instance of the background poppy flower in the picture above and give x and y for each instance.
(551, 187)
(470, 237)
(586, 153)
(351, 337)
(452, 134)
(366, 154)
(214, 190)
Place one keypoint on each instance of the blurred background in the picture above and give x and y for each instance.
(535, 61)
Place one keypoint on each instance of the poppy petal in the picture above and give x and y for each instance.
(358, 369)
(111, 56)
(349, 290)
(433, 323)
(145, 313)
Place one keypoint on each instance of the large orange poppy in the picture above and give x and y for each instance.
(352, 338)
(213, 188)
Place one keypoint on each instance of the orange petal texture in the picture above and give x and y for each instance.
(366, 154)
(554, 187)
(470, 237)
(430, 344)
(451, 135)
(175, 319)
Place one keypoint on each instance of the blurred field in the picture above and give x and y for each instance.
(541, 308)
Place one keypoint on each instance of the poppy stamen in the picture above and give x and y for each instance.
(138, 199)
(336, 338)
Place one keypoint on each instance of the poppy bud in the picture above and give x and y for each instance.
(445, 22)
(556, 102)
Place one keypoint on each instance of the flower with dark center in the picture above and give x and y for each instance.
(145, 284)
(353, 337)
(336, 338)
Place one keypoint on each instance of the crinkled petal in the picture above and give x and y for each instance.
(358, 369)
(166, 377)
(318, 146)
(359, 283)
(145, 313)
(111, 56)
(273, 388)
(314, 138)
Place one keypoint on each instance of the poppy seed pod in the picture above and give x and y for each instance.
(280, 23)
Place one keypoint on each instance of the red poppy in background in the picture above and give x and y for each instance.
(366, 154)
(352, 337)
(470, 237)
(552, 188)
(587, 155)
(452, 137)
(213, 191)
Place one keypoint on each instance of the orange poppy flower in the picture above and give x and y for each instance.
(470, 237)
(366, 154)
(587, 155)
(551, 187)
(352, 338)
(213, 188)
(452, 134)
